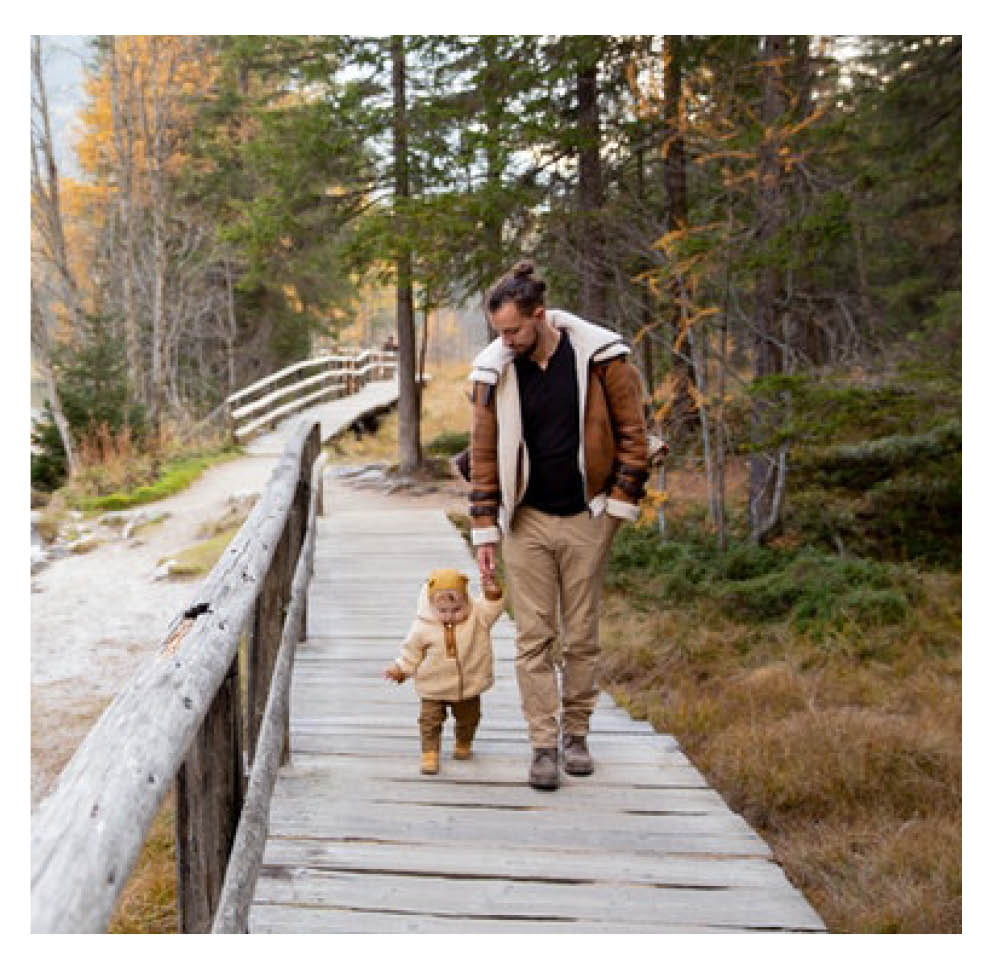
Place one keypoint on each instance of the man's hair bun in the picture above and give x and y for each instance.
(521, 286)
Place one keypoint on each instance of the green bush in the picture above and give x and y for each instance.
(808, 587)
(449, 443)
(897, 497)
(92, 383)
(859, 466)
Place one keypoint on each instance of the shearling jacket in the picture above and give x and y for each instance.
(453, 667)
(612, 456)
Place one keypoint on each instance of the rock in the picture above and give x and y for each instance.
(130, 524)
(240, 497)
(39, 560)
(113, 519)
(372, 475)
(85, 543)
(164, 570)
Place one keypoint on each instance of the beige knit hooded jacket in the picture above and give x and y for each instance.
(444, 673)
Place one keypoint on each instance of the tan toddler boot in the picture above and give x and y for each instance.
(463, 750)
(429, 762)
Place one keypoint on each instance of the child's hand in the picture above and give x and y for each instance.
(490, 586)
(394, 673)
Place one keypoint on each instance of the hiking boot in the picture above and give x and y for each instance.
(575, 754)
(428, 762)
(544, 769)
(463, 750)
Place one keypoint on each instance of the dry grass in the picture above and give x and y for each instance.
(147, 903)
(848, 761)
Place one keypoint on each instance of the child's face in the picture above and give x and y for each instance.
(450, 605)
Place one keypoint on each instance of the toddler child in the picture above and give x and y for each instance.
(449, 653)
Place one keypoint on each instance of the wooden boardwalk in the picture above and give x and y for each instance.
(359, 841)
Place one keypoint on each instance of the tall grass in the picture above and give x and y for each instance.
(821, 696)
(114, 474)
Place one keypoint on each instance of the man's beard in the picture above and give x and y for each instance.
(527, 351)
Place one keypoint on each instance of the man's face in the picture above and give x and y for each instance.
(517, 331)
(450, 605)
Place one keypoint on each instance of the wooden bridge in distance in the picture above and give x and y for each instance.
(300, 807)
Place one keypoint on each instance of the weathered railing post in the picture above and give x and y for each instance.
(209, 793)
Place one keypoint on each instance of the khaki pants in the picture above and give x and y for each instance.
(554, 566)
(467, 714)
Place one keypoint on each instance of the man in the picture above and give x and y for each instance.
(558, 460)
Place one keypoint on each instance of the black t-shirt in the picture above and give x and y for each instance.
(549, 408)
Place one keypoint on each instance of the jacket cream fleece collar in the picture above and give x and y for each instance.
(491, 366)
(589, 341)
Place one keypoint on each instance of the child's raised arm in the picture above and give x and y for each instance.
(492, 603)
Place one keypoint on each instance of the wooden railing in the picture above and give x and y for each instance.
(213, 699)
(261, 405)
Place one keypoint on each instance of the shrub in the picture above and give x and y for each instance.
(449, 443)
(815, 590)
(92, 383)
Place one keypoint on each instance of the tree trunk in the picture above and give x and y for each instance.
(767, 472)
(591, 194)
(409, 405)
(493, 113)
(422, 363)
(231, 331)
(41, 344)
(45, 188)
(123, 128)
(682, 410)
(47, 217)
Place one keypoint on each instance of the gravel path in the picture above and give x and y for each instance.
(96, 616)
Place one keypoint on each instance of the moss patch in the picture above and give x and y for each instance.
(200, 558)
(176, 476)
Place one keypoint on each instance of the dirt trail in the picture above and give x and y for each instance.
(95, 617)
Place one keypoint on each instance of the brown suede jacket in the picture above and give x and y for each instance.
(613, 438)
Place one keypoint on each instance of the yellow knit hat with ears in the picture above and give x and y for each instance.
(447, 579)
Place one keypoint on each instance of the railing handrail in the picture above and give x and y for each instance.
(303, 364)
(355, 368)
(249, 843)
(87, 834)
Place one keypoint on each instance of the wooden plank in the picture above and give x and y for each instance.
(458, 828)
(267, 919)
(500, 769)
(541, 818)
(368, 783)
(642, 905)
(525, 864)
(497, 722)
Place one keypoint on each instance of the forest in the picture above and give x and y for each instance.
(774, 224)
